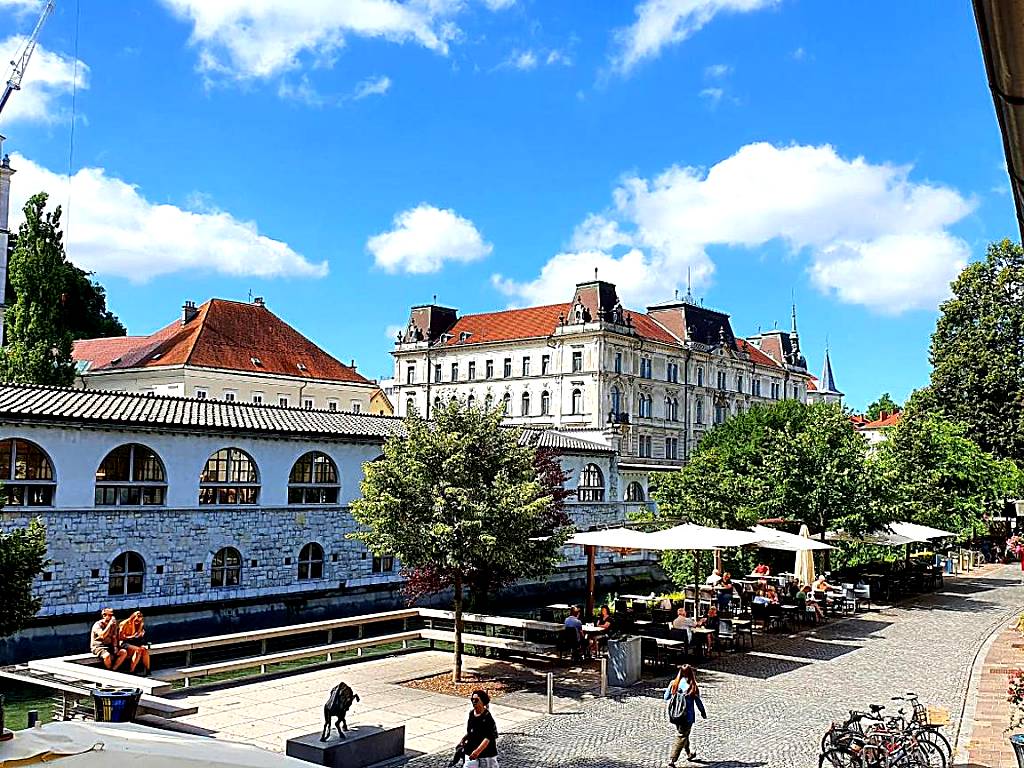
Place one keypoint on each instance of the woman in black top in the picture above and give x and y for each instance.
(481, 741)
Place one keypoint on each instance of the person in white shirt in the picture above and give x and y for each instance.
(682, 621)
(714, 578)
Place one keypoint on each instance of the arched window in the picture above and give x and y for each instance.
(131, 475)
(675, 409)
(311, 562)
(545, 403)
(313, 480)
(506, 403)
(699, 418)
(437, 403)
(26, 474)
(470, 401)
(127, 572)
(229, 477)
(616, 401)
(526, 403)
(410, 406)
(577, 401)
(226, 568)
(488, 401)
(634, 491)
(591, 487)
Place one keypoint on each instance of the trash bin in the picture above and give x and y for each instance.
(949, 566)
(1018, 748)
(624, 660)
(115, 705)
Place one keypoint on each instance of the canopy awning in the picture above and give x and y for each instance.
(878, 538)
(919, 532)
(611, 538)
(694, 537)
(771, 538)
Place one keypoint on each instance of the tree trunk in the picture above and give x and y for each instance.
(457, 660)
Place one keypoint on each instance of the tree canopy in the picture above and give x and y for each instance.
(883, 403)
(457, 496)
(977, 352)
(22, 557)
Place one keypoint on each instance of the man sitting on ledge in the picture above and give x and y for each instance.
(103, 640)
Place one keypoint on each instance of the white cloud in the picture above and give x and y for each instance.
(717, 71)
(374, 86)
(667, 22)
(714, 95)
(22, 6)
(521, 60)
(302, 91)
(499, 5)
(244, 39)
(799, 54)
(558, 57)
(424, 238)
(113, 230)
(48, 78)
(869, 234)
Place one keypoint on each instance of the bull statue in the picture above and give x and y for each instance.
(337, 706)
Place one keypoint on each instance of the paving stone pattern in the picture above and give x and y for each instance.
(989, 744)
(770, 707)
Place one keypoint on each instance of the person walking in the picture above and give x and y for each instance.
(480, 744)
(683, 697)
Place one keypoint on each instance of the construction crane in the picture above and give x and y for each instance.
(20, 64)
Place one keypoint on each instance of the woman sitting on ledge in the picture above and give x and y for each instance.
(132, 633)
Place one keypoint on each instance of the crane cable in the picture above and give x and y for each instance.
(71, 138)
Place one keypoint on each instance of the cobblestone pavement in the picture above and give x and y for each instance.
(770, 707)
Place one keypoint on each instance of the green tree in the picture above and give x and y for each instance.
(22, 557)
(457, 495)
(883, 403)
(38, 343)
(977, 352)
(939, 477)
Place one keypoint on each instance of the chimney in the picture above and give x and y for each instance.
(353, 366)
(258, 301)
(188, 312)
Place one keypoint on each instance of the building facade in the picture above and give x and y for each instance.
(653, 381)
(226, 350)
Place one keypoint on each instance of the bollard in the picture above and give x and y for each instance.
(604, 677)
(551, 694)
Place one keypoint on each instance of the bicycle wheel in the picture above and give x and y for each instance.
(935, 737)
(931, 754)
(840, 758)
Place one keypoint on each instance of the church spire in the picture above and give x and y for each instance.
(828, 379)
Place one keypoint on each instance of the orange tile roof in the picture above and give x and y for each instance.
(536, 323)
(756, 355)
(890, 420)
(227, 335)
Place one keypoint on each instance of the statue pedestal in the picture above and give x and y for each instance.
(363, 746)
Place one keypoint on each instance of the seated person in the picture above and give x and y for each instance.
(806, 599)
(602, 621)
(710, 622)
(103, 640)
(573, 621)
(714, 578)
(760, 597)
(132, 634)
(772, 595)
(682, 621)
(762, 570)
(821, 585)
(725, 589)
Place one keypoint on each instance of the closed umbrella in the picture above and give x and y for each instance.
(804, 569)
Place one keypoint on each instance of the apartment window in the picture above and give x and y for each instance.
(577, 362)
(644, 446)
(671, 448)
(796, 391)
(618, 362)
(488, 401)
(437, 373)
(307, 403)
(672, 372)
(526, 404)
(755, 387)
(354, 406)
(775, 390)
(739, 382)
(455, 371)
(645, 406)
(282, 400)
(699, 411)
(506, 370)
(721, 411)
(545, 365)
(645, 367)
(673, 409)
(332, 405)
(700, 375)
(616, 401)
(471, 370)
(526, 366)
(545, 403)
(230, 395)
(383, 563)
(721, 380)
(470, 401)
(506, 403)
(257, 398)
(577, 402)
(410, 374)
(201, 393)
(489, 369)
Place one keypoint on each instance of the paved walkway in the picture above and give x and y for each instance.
(987, 742)
(770, 707)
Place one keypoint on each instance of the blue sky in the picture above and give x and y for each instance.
(348, 159)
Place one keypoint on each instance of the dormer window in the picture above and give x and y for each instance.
(445, 338)
(115, 361)
(302, 367)
(157, 356)
(464, 336)
(258, 362)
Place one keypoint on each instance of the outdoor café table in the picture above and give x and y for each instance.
(593, 629)
(744, 627)
(700, 638)
(639, 598)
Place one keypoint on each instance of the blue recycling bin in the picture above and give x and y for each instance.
(949, 566)
(115, 705)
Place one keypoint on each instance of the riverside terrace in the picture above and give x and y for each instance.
(194, 685)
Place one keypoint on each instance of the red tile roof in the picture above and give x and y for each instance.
(536, 323)
(887, 420)
(756, 355)
(227, 335)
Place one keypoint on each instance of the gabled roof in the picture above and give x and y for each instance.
(127, 409)
(226, 335)
(756, 355)
(886, 420)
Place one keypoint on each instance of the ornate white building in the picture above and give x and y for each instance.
(651, 383)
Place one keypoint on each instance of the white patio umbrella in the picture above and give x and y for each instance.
(788, 542)
(79, 744)
(699, 537)
(804, 569)
(878, 538)
(920, 533)
(609, 538)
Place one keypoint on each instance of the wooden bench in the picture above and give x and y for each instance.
(518, 647)
(263, 661)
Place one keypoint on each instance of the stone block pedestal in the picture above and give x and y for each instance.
(363, 746)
